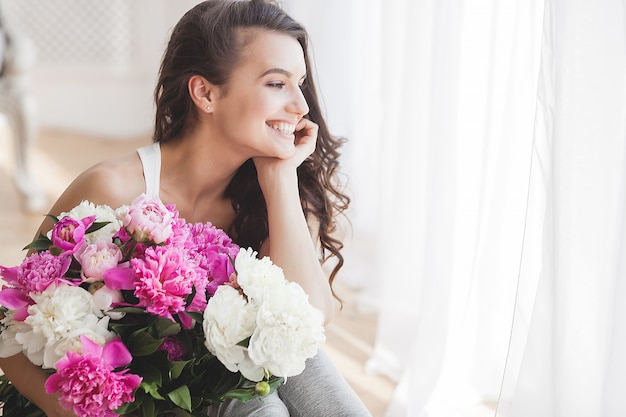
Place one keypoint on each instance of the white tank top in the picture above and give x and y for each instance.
(151, 161)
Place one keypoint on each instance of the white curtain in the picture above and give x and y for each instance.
(456, 212)
(487, 169)
(574, 357)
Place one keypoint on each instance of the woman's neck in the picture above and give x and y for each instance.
(194, 176)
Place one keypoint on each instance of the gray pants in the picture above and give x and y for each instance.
(320, 391)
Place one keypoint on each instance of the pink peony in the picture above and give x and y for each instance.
(212, 249)
(88, 384)
(164, 280)
(174, 348)
(97, 258)
(37, 272)
(68, 234)
(149, 220)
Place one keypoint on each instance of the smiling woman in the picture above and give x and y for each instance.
(266, 92)
(239, 142)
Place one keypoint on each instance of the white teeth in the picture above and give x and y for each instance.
(284, 127)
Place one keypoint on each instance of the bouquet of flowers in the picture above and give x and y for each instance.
(134, 310)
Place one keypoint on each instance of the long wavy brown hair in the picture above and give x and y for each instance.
(205, 42)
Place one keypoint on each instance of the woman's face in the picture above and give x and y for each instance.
(262, 101)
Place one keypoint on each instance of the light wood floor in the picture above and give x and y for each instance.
(58, 157)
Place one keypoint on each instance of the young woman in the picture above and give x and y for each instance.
(240, 141)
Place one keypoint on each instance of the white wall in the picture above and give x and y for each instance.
(96, 62)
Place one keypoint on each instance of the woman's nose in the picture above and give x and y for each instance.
(299, 104)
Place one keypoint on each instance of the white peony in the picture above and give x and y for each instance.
(255, 275)
(103, 213)
(104, 298)
(289, 331)
(10, 327)
(228, 320)
(60, 315)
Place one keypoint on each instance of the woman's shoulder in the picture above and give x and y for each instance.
(113, 182)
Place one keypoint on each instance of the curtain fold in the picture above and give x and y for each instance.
(573, 357)
(487, 166)
(454, 207)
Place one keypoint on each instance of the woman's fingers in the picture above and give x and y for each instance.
(306, 132)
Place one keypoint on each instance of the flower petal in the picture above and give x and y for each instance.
(116, 354)
(14, 299)
(88, 221)
(91, 348)
(120, 279)
(9, 275)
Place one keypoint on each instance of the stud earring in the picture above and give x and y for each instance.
(208, 108)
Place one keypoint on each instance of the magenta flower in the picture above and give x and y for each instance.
(89, 385)
(164, 279)
(35, 274)
(16, 300)
(149, 220)
(68, 234)
(212, 249)
(174, 348)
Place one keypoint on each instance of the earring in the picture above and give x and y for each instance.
(208, 108)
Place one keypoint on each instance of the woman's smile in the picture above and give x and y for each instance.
(283, 127)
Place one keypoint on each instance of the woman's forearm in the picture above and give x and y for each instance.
(30, 381)
(291, 246)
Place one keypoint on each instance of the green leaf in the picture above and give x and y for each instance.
(190, 297)
(150, 373)
(129, 309)
(96, 226)
(55, 251)
(177, 368)
(198, 317)
(276, 382)
(245, 342)
(54, 218)
(141, 343)
(181, 397)
(147, 408)
(165, 327)
(128, 408)
(152, 389)
(242, 394)
(40, 244)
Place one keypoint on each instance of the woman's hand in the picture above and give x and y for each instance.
(290, 244)
(306, 139)
(304, 145)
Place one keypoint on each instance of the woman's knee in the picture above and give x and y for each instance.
(269, 406)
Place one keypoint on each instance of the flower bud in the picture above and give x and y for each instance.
(262, 388)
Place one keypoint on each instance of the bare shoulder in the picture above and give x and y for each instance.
(112, 182)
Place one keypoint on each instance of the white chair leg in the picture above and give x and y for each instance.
(19, 109)
(18, 104)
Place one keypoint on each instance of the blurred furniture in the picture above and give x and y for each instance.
(18, 106)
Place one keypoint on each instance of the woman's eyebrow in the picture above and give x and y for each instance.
(280, 71)
(277, 71)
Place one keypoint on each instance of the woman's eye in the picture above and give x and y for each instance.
(276, 84)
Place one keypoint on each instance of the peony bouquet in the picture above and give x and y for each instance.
(134, 310)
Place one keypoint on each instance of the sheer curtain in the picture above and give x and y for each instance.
(487, 170)
(574, 362)
(456, 213)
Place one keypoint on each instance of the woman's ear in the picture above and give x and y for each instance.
(202, 93)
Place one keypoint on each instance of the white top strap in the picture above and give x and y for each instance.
(151, 160)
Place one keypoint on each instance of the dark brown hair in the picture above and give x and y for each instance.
(205, 42)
